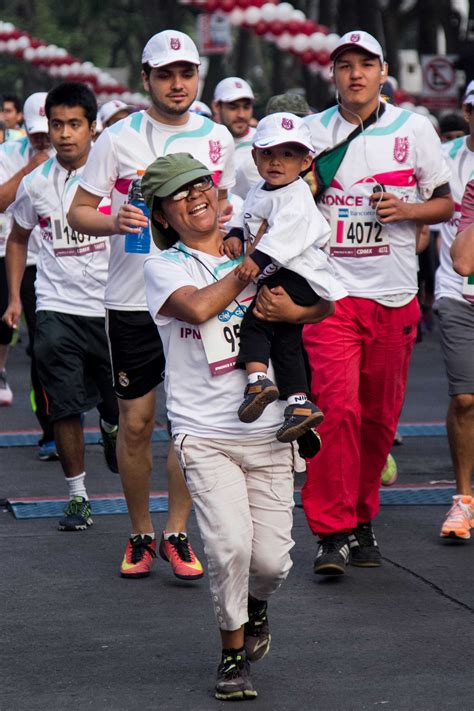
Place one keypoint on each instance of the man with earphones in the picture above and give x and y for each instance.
(391, 178)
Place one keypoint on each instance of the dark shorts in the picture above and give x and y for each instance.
(136, 351)
(73, 362)
(456, 320)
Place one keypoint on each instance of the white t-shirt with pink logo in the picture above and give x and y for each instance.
(14, 155)
(461, 162)
(400, 151)
(131, 145)
(72, 267)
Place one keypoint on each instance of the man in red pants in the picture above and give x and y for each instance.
(392, 177)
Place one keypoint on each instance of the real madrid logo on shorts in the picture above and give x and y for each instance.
(123, 379)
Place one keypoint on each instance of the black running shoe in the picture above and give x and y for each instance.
(299, 419)
(365, 552)
(333, 555)
(78, 515)
(233, 678)
(256, 398)
(257, 635)
(309, 444)
(109, 442)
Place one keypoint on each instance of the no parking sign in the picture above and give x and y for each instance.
(440, 90)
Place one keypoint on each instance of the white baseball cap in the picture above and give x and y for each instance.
(282, 127)
(170, 46)
(34, 114)
(469, 94)
(360, 40)
(199, 107)
(110, 108)
(232, 89)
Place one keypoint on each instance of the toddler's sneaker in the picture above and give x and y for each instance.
(6, 395)
(459, 519)
(299, 418)
(256, 398)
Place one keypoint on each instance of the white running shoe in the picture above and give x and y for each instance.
(6, 395)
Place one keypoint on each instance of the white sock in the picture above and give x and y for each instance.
(107, 427)
(167, 534)
(150, 535)
(253, 377)
(299, 399)
(77, 486)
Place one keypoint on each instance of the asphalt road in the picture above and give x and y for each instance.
(76, 636)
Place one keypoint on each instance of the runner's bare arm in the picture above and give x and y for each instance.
(9, 188)
(15, 262)
(462, 252)
(275, 305)
(196, 306)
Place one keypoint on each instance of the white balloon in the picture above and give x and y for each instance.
(325, 73)
(298, 16)
(284, 11)
(53, 70)
(270, 37)
(28, 54)
(252, 15)
(23, 42)
(61, 52)
(41, 52)
(63, 71)
(236, 17)
(314, 68)
(317, 41)
(284, 41)
(3, 45)
(300, 43)
(12, 45)
(269, 12)
(331, 41)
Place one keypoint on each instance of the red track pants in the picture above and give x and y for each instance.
(359, 363)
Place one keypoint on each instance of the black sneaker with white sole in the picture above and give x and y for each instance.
(365, 552)
(234, 682)
(333, 555)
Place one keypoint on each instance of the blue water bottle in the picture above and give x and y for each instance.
(138, 242)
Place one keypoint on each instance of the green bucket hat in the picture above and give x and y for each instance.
(162, 178)
(292, 103)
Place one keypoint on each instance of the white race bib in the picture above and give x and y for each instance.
(69, 243)
(468, 288)
(355, 232)
(221, 334)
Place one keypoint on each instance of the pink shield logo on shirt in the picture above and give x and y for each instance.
(175, 43)
(355, 37)
(400, 149)
(287, 124)
(215, 151)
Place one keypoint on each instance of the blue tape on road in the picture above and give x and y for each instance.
(159, 504)
(28, 439)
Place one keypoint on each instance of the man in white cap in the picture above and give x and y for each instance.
(391, 177)
(233, 107)
(17, 159)
(455, 308)
(113, 111)
(170, 62)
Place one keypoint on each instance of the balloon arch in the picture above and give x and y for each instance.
(283, 25)
(58, 63)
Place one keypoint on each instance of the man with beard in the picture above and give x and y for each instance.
(233, 107)
(170, 62)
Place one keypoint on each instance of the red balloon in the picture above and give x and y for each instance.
(243, 4)
(322, 58)
(294, 27)
(261, 28)
(307, 56)
(308, 27)
(211, 5)
(259, 3)
(277, 27)
(227, 5)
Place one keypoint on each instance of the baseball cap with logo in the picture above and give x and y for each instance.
(170, 46)
(469, 94)
(34, 114)
(358, 39)
(162, 178)
(110, 108)
(282, 127)
(232, 89)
